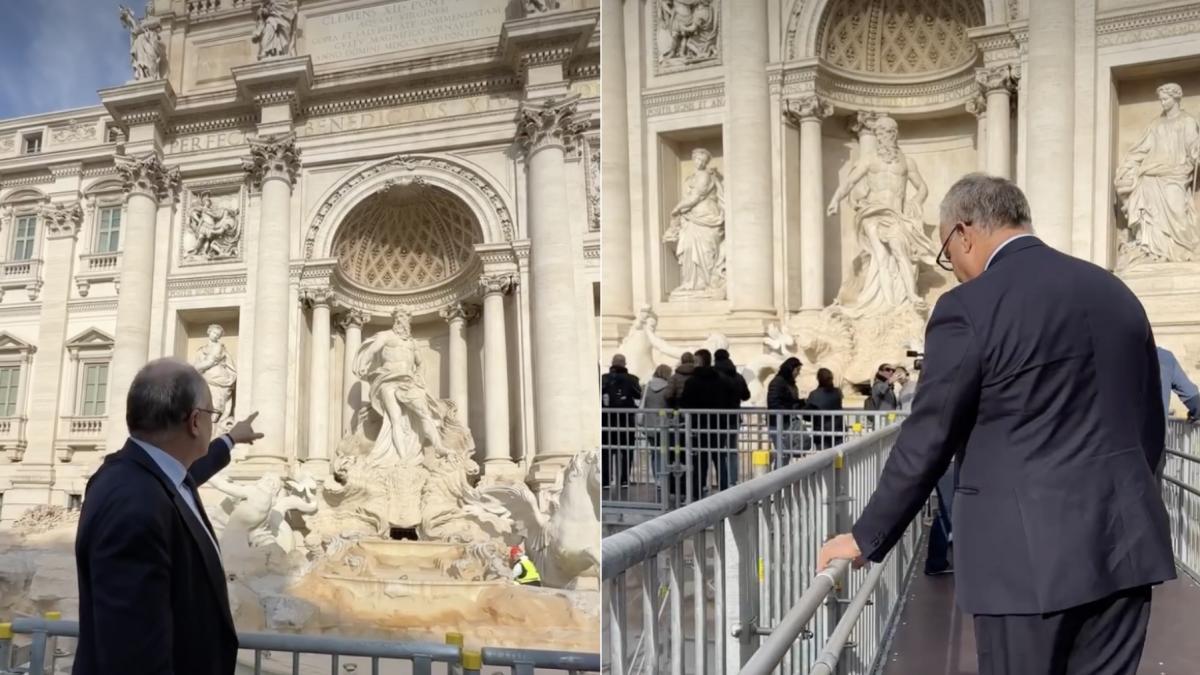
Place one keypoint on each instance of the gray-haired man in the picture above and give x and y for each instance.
(1041, 376)
(152, 595)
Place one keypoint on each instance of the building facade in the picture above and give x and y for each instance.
(270, 187)
(784, 164)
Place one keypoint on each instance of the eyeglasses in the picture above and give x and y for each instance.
(943, 256)
(210, 411)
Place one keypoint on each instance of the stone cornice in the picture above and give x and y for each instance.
(213, 284)
(207, 124)
(418, 94)
(1139, 26)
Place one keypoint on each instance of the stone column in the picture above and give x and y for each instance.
(147, 182)
(807, 113)
(497, 456)
(273, 163)
(457, 315)
(998, 84)
(978, 107)
(351, 322)
(748, 152)
(547, 127)
(615, 233)
(318, 300)
(34, 476)
(1050, 156)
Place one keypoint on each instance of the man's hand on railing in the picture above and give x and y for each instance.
(841, 547)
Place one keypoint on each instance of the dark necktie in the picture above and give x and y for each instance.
(191, 486)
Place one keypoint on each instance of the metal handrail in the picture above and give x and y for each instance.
(772, 650)
(625, 549)
(422, 655)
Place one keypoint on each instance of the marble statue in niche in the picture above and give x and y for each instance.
(539, 6)
(216, 365)
(145, 48)
(690, 31)
(1156, 182)
(697, 230)
(891, 233)
(275, 29)
(213, 232)
(412, 419)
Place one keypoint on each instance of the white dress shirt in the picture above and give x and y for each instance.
(1004, 243)
(176, 473)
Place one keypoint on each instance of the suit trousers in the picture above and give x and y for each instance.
(1104, 637)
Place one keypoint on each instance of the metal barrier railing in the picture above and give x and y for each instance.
(758, 543)
(39, 656)
(656, 460)
(1181, 492)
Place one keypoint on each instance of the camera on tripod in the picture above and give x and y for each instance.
(918, 359)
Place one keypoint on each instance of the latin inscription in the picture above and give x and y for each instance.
(213, 141)
(400, 115)
(400, 25)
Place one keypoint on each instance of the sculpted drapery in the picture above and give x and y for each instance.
(1156, 181)
(698, 232)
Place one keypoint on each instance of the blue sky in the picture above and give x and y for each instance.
(55, 54)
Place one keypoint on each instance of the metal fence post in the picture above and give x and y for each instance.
(472, 663)
(841, 522)
(6, 634)
(741, 588)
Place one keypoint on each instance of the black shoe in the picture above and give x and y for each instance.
(939, 572)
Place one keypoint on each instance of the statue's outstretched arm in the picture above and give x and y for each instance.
(843, 189)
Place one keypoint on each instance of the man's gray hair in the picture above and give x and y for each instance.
(988, 202)
(162, 395)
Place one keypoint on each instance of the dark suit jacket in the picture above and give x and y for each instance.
(152, 595)
(1042, 375)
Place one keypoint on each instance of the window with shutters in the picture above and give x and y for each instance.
(94, 395)
(24, 237)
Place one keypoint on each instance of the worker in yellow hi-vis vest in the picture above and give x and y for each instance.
(524, 571)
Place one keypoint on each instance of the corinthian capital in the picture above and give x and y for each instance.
(496, 283)
(316, 295)
(62, 220)
(459, 310)
(548, 123)
(353, 318)
(996, 78)
(272, 157)
(147, 175)
(977, 106)
(797, 110)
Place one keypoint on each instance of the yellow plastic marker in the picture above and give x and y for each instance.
(891, 417)
(472, 660)
(839, 462)
(53, 616)
(455, 639)
(761, 572)
(857, 427)
(760, 457)
(6, 631)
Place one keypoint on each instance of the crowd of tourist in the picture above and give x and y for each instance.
(705, 384)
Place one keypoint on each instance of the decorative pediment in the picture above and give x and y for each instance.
(11, 344)
(92, 339)
(25, 195)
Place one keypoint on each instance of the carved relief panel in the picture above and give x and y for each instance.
(213, 224)
(687, 34)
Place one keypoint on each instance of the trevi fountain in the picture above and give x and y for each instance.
(376, 224)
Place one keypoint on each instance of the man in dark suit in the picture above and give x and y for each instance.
(1041, 376)
(152, 595)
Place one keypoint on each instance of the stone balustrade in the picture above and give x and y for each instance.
(97, 268)
(12, 437)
